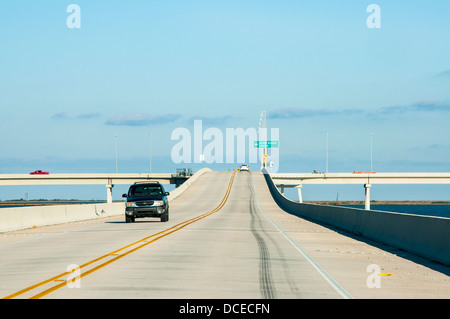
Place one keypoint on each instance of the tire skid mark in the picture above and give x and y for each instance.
(267, 287)
(287, 275)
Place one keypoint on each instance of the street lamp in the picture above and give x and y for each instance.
(371, 137)
(150, 167)
(326, 156)
(115, 138)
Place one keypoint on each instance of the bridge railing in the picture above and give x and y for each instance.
(16, 218)
(425, 236)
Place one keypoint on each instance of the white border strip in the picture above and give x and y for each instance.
(321, 271)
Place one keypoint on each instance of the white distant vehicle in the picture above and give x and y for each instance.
(244, 168)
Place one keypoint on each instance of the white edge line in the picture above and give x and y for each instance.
(321, 271)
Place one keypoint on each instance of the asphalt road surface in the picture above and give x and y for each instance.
(226, 238)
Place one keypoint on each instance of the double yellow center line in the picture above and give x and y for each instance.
(117, 254)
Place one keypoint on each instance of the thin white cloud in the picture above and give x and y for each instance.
(83, 116)
(422, 106)
(141, 119)
(88, 115)
(290, 113)
(445, 73)
(212, 120)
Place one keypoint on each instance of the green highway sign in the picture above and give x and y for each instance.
(265, 144)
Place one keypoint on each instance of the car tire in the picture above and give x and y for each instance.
(165, 216)
(129, 219)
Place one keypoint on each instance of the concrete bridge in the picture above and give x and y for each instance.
(109, 180)
(231, 235)
(282, 180)
(297, 180)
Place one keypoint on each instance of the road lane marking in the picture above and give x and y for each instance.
(115, 254)
(319, 269)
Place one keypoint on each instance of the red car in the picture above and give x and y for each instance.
(39, 172)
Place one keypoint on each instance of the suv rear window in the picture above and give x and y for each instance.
(145, 190)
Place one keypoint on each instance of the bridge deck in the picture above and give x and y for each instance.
(247, 248)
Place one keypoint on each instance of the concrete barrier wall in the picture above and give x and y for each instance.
(425, 236)
(180, 189)
(27, 217)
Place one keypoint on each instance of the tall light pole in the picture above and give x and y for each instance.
(115, 138)
(262, 136)
(326, 156)
(371, 142)
(150, 167)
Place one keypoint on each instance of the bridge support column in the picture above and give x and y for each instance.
(299, 190)
(109, 188)
(282, 189)
(367, 197)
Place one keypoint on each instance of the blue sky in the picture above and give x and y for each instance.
(136, 68)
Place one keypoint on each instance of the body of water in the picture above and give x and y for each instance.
(428, 210)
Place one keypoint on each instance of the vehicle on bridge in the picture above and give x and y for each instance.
(146, 199)
(244, 167)
(39, 172)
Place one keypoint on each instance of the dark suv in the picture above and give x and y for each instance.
(147, 199)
